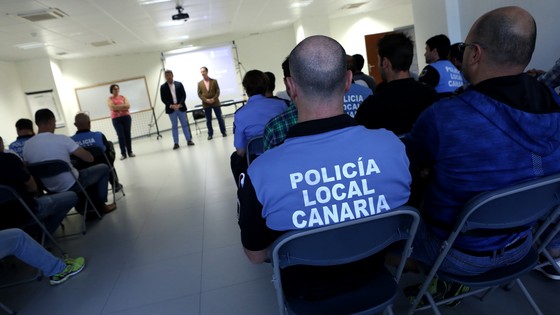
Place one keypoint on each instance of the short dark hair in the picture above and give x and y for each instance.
(398, 48)
(112, 87)
(286, 67)
(271, 81)
(168, 71)
(43, 116)
(350, 65)
(24, 124)
(204, 68)
(441, 43)
(318, 66)
(255, 82)
(505, 45)
(455, 52)
(358, 62)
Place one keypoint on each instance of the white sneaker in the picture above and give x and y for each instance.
(550, 272)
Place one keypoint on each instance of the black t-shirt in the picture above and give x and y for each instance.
(14, 174)
(396, 105)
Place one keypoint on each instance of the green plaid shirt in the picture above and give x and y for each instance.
(552, 76)
(276, 129)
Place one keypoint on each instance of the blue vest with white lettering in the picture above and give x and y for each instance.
(331, 177)
(354, 98)
(89, 139)
(17, 146)
(450, 78)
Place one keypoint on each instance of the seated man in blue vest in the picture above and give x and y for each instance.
(87, 138)
(440, 73)
(250, 120)
(24, 129)
(356, 95)
(326, 161)
(502, 130)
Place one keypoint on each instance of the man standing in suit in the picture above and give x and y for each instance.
(208, 92)
(173, 95)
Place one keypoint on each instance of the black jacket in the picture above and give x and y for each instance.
(167, 98)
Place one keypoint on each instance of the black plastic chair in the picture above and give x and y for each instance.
(46, 169)
(497, 212)
(343, 243)
(255, 147)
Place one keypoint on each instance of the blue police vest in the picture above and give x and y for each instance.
(450, 78)
(354, 98)
(89, 139)
(332, 177)
(17, 146)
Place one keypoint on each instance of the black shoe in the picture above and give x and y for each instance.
(190, 143)
(131, 154)
(224, 134)
(123, 157)
(176, 146)
(209, 137)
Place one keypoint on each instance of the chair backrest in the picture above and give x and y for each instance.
(255, 147)
(345, 242)
(48, 168)
(515, 207)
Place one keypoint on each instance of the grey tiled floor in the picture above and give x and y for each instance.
(173, 247)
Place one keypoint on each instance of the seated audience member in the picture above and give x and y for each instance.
(47, 146)
(356, 94)
(324, 138)
(456, 58)
(276, 129)
(502, 130)
(17, 243)
(24, 129)
(440, 73)
(51, 209)
(552, 77)
(87, 138)
(249, 120)
(400, 100)
(271, 86)
(360, 77)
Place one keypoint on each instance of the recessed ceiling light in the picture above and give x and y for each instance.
(31, 45)
(300, 4)
(147, 2)
(179, 37)
(170, 23)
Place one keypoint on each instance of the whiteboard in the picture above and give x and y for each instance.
(44, 99)
(93, 99)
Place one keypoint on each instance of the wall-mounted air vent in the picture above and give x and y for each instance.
(102, 43)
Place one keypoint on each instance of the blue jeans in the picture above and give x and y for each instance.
(218, 112)
(16, 242)
(123, 126)
(95, 177)
(426, 248)
(182, 117)
(52, 209)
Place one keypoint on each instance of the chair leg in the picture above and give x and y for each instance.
(528, 297)
(7, 309)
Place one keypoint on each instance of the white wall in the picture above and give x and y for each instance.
(350, 31)
(13, 104)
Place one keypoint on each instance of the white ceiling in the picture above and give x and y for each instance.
(136, 27)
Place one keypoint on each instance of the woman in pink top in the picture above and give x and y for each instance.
(119, 106)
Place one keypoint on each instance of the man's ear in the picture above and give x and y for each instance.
(348, 79)
(291, 86)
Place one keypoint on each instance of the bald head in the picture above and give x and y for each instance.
(318, 68)
(507, 35)
(82, 122)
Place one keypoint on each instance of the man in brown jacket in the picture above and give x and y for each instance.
(208, 92)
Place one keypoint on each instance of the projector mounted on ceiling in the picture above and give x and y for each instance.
(180, 15)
